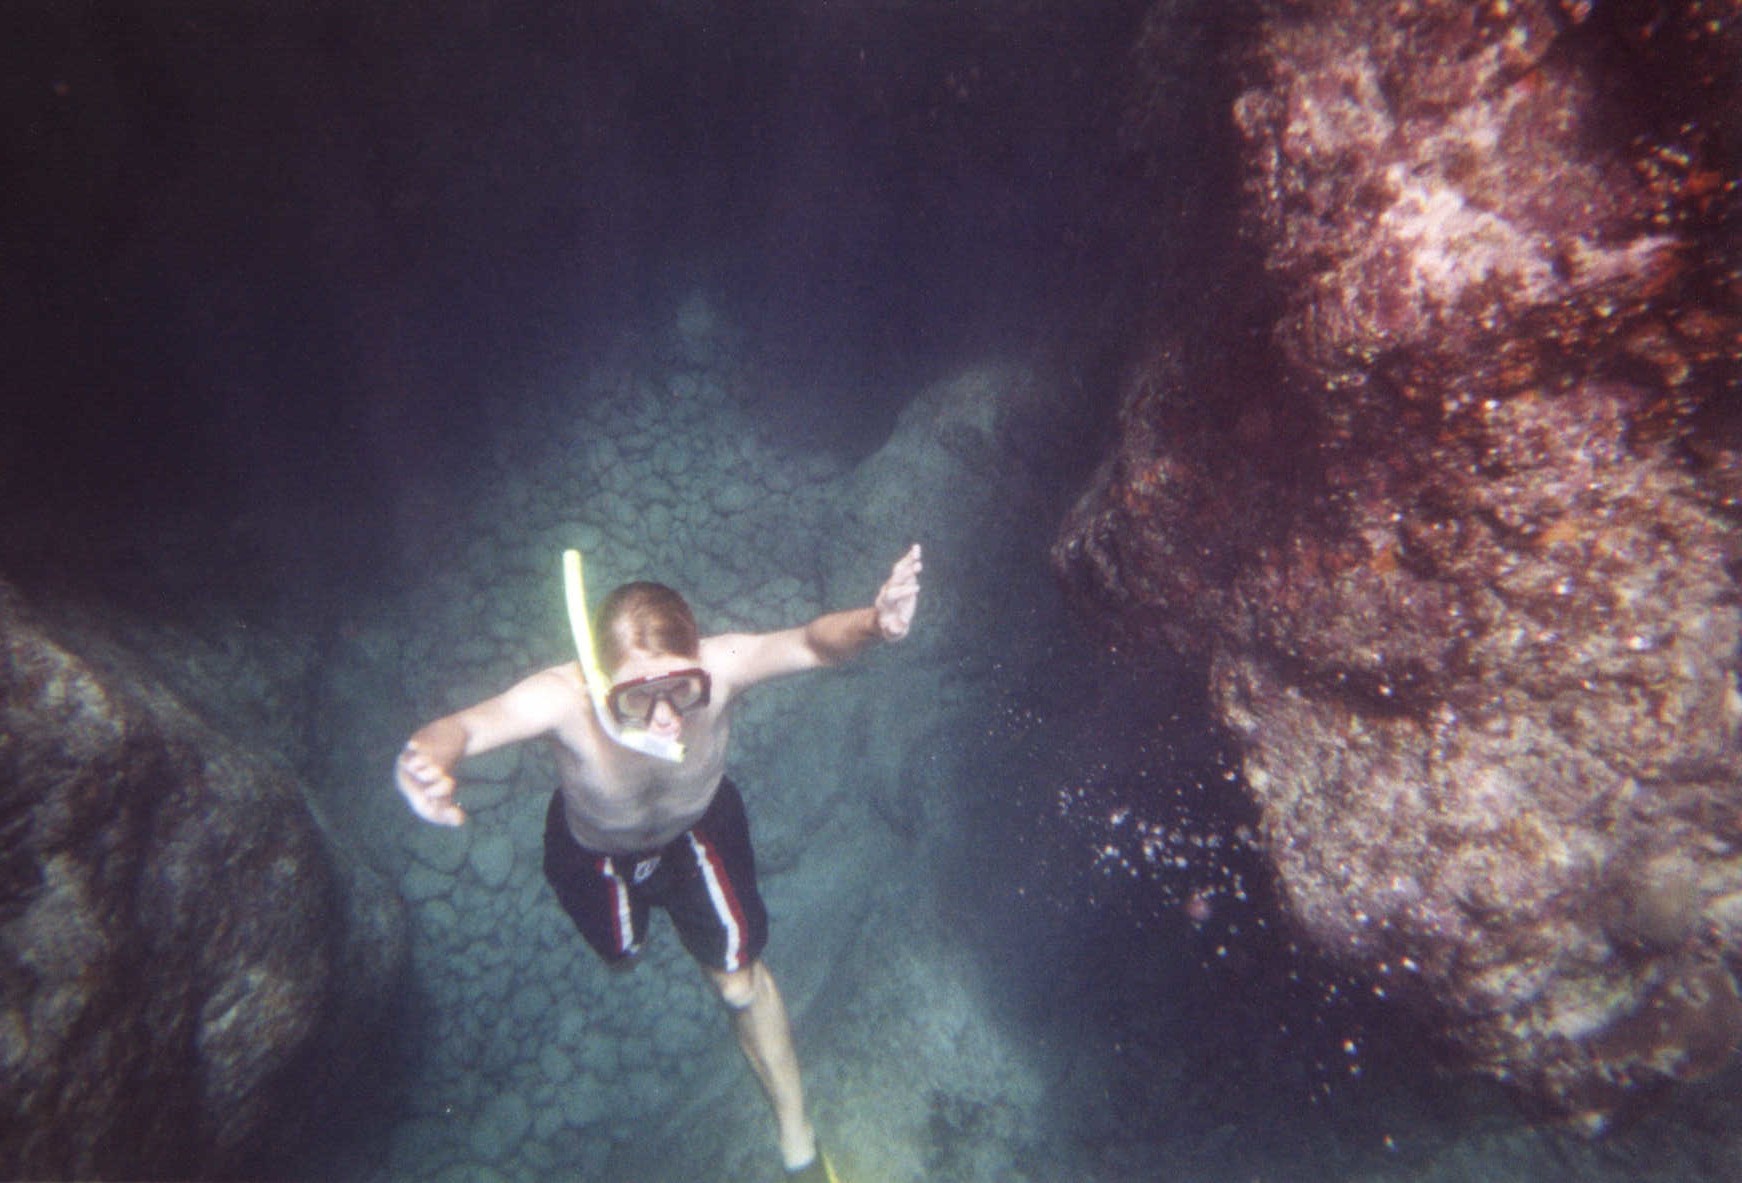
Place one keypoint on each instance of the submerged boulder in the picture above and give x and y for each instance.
(189, 969)
(1459, 551)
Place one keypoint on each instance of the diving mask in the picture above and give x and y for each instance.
(633, 702)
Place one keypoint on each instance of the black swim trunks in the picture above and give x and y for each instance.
(705, 879)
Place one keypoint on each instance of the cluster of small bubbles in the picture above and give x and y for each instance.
(1162, 835)
(1342, 1010)
(1178, 844)
(1151, 835)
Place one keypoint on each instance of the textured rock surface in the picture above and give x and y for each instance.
(973, 462)
(188, 969)
(1459, 551)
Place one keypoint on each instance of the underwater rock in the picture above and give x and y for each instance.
(1459, 552)
(190, 969)
(492, 857)
(500, 1126)
(970, 471)
(441, 849)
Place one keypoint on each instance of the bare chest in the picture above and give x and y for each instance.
(621, 801)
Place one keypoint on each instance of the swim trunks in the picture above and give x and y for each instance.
(705, 879)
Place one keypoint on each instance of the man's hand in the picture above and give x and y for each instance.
(899, 596)
(427, 786)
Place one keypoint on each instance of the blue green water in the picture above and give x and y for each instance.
(357, 315)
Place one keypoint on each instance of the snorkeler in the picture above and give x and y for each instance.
(639, 821)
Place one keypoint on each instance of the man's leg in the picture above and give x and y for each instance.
(759, 1017)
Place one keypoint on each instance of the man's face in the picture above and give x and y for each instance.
(653, 691)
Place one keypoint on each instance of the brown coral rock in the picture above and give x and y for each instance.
(1465, 573)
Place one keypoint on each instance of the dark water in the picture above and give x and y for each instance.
(281, 277)
(267, 260)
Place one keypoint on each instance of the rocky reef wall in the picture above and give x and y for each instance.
(1448, 514)
(190, 971)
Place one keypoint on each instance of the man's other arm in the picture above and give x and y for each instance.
(424, 771)
(830, 639)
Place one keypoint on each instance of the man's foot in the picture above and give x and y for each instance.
(817, 1170)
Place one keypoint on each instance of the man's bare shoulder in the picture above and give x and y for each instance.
(723, 651)
(566, 675)
(743, 659)
(722, 654)
(724, 645)
(547, 694)
(543, 702)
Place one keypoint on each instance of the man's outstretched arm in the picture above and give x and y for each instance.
(829, 639)
(840, 636)
(424, 771)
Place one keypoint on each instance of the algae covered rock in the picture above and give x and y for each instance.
(1458, 549)
(190, 969)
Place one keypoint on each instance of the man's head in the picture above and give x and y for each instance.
(651, 649)
(645, 618)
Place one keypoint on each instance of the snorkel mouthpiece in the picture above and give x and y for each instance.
(648, 744)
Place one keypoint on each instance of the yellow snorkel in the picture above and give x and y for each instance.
(575, 588)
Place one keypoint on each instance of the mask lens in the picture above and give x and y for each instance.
(684, 690)
(688, 692)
